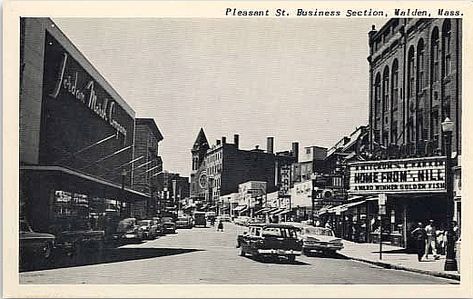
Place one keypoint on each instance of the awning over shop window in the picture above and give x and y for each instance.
(239, 208)
(345, 207)
(283, 212)
(79, 180)
(265, 210)
(277, 211)
(324, 210)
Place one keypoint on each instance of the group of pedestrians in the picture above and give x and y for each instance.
(429, 239)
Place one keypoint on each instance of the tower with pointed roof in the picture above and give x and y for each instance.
(198, 174)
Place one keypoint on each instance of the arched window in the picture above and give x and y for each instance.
(377, 94)
(411, 72)
(446, 46)
(435, 55)
(420, 65)
(386, 89)
(395, 85)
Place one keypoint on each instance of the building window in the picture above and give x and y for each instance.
(419, 126)
(394, 133)
(435, 55)
(377, 94)
(411, 72)
(446, 39)
(395, 86)
(420, 66)
(386, 89)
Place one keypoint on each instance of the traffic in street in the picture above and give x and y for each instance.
(205, 255)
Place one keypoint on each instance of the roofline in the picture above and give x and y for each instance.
(154, 126)
(72, 49)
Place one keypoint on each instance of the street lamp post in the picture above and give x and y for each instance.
(123, 191)
(450, 261)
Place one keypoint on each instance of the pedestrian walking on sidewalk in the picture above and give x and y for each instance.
(431, 240)
(420, 236)
(220, 226)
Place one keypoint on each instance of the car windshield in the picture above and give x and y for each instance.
(182, 219)
(318, 231)
(144, 222)
(280, 232)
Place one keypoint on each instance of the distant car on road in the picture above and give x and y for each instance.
(275, 240)
(319, 239)
(200, 219)
(242, 220)
(184, 222)
(147, 229)
(168, 225)
(34, 246)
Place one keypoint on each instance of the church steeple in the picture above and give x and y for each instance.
(199, 150)
(201, 143)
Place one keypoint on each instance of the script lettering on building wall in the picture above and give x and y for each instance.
(398, 176)
(104, 108)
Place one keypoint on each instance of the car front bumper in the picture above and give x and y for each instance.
(321, 247)
(279, 251)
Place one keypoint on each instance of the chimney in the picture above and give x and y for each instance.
(295, 150)
(236, 140)
(218, 141)
(224, 140)
(270, 145)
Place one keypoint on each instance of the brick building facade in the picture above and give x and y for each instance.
(415, 83)
(148, 164)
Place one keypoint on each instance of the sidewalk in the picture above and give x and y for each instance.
(396, 258)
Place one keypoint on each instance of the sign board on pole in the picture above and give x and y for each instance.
(382, 199)
(382, 203)
(382, 210)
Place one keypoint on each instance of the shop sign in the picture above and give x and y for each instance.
(76, 83)
(398, 176)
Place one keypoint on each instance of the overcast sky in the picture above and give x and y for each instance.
(302, 80)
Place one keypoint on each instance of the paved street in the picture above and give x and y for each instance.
(203, 255)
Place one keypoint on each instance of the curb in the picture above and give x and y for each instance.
(404, 268)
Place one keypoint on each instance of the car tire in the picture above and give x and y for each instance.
(291, 258)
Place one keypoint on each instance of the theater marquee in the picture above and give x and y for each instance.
(398, 176)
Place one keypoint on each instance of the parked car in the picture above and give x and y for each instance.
(34, 246)
(184, 222)
(242, 220)
(168, 225)
(127, 230)
(159, 226)
(274, 240)
(319, 239)
(147, 229)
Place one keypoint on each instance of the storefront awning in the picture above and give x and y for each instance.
(285, 211)
(277, 211)
(345, 207)
(266, 210)
(324, 210)
(79, 180)
(239, 208)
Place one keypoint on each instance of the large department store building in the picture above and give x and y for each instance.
(76, 135)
